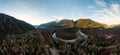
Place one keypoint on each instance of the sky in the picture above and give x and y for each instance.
(37, 12)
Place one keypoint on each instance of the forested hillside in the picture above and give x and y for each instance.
(10, 26)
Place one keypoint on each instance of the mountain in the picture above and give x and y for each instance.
(67, 23)
(80, 23)
(104, 25)
(113, 26)
(117, 27)
(53, 25)
(10, 25)
(87, 23)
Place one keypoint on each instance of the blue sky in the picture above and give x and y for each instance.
(36, 12)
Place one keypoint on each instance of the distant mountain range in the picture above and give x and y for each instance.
(80, 23)
(117, 27)
(10, 25)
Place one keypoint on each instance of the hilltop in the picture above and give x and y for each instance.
(88, 23)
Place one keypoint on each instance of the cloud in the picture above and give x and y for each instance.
(100, 2)
(110, 15)
(91, 7)
(23, 11)
(115, 7)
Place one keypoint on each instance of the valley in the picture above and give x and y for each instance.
(20, 38)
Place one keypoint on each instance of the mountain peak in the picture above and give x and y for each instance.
(87, 23)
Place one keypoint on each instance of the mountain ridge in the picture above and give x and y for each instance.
(10, 26)
(80, 23)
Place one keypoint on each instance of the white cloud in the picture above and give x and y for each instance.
(100, 2)
(109, 15)
(91, 7)
(115, 7)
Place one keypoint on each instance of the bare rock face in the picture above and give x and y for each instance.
(10, 25)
